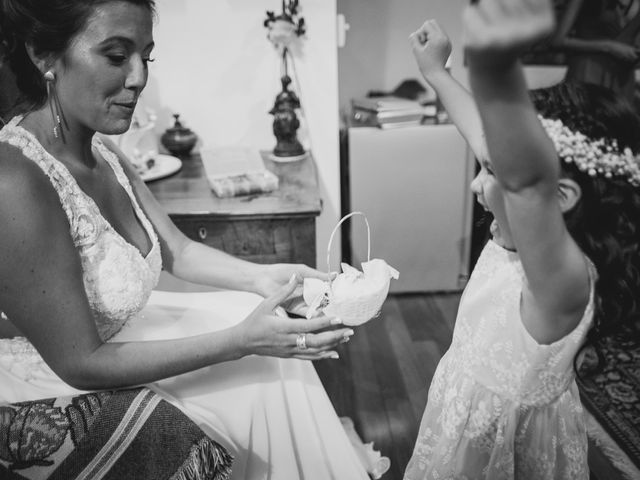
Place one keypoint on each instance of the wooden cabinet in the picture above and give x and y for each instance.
(264, 228)
(413, 184)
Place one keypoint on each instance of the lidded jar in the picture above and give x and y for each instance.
(178, 139)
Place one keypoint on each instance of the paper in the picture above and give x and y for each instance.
(224, 162)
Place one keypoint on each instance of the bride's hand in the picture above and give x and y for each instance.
(274, 276)
(264, 332)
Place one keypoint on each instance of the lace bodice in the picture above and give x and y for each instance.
(491, 343)
(117, 278)
(498, 398)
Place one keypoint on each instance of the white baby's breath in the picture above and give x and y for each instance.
(595, 157)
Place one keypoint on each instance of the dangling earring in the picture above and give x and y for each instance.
(54, 105)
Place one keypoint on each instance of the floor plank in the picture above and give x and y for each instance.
(409, 362)
(400, 418)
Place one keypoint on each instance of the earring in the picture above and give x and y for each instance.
(54, 105)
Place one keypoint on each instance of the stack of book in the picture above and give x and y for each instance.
(390, 112)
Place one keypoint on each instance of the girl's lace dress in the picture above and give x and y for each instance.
(272, 414)
(502, 406)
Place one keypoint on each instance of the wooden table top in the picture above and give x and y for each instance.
(188, 192)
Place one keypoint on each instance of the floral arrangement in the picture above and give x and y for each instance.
(285, 27)
(595, 157)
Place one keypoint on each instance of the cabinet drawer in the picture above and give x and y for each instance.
(290, 240)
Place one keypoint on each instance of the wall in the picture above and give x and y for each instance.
(377, 54)
(215, 66)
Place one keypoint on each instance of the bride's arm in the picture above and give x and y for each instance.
(42, 292)
(199, 263)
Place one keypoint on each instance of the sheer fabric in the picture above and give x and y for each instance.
(273, 415)
(502, 406)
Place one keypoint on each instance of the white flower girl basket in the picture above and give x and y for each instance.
(354, 296)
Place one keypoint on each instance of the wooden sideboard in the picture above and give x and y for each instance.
(264, 228)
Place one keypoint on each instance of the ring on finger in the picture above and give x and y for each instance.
(301, 341)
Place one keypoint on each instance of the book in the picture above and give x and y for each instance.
(387, 103)
(233, 171)
(386, 126)
(383, 120)
(389, 112)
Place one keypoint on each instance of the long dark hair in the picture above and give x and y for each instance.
(606, 221)
(48, 26)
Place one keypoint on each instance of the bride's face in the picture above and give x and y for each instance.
(103, 71)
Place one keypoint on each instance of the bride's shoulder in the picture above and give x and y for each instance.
(23, 182)
(14, 164)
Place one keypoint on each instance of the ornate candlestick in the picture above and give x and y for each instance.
(285, 122)
(283, 29)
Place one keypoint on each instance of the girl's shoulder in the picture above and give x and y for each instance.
(548, 324)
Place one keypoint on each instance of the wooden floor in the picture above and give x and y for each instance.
(383, 374)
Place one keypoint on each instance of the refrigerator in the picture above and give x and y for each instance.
(412, 183)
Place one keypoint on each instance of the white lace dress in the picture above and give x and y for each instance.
(502, 406)
(273, 415)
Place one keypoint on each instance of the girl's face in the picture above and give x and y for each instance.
(490, 195)
(100, 76)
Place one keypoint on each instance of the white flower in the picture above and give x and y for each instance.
(592, 156)
(281, 33)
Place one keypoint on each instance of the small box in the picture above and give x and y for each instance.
(234, 171)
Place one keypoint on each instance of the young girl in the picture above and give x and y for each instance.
(562, 265)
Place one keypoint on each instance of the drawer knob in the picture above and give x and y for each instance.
(202, 233)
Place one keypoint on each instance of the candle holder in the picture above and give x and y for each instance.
(284, 28)
(285, 122)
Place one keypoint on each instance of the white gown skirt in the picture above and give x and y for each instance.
(272, 414)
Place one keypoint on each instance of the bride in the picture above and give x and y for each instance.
(83, 242)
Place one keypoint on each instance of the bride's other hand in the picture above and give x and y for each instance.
(276, 275)
(272, 277)
(264, 332)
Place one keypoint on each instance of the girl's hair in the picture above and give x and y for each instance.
(48, 26)
(606, 221)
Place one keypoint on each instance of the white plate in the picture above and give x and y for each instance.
(276, 159)
(164, 166)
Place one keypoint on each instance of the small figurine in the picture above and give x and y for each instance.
(285, 122)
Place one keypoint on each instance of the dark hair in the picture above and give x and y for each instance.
(48, 26)
(606, 221)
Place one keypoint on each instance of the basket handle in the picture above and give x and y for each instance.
(335, 229)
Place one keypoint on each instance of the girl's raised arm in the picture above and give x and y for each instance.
(431, 47)
(525, 162)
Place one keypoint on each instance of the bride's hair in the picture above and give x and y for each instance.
(48, 26)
